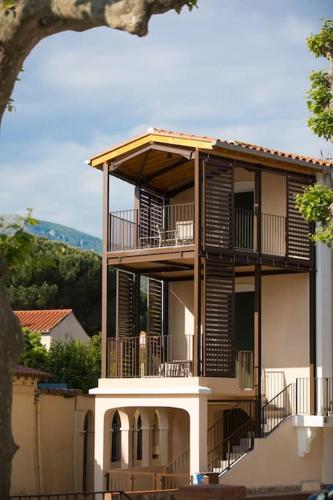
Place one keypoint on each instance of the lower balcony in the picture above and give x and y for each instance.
(150, 356)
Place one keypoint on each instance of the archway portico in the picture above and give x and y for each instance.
(193, 404)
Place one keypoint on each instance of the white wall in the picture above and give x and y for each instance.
(68, 329)
(285, 324)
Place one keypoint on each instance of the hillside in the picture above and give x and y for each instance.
(65, 234)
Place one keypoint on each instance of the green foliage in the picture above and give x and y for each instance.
(319, 96)
(316, 205)
(15, 243)
(72, 362)
(35, 354)
(322, 42)
(58, 276)
(75, 363)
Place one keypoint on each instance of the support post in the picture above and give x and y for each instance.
(257, 346)
(105, 268)
(197, 361)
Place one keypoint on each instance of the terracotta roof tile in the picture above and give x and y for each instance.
(247, 146)
(25, 371)
(42, 320)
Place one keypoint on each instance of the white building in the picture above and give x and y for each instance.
(233, 373)
(53, 324)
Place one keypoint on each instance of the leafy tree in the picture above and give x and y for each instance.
(75, 363)
(320, 95)
(72, 362)
(34, 354)
(15, 247)
(59, 276)
(316, 205)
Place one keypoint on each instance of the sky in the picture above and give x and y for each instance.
(231, 69)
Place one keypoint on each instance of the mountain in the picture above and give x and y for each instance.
(58, 232)
(65, 234)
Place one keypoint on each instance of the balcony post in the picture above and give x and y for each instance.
(257, 346)
(197, 366)
(105, 267)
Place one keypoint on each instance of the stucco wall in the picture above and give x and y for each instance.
(49, 433)
(273, 189)
(275, 461)
(181, 308)
(24, 464)
(285, 324)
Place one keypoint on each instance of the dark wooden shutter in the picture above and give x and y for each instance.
(218, 204)
(127, 304)
(151, 216)
(298, 242)
(218, 342)
(155, 307)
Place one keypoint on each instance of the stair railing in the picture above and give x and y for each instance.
(275, 411)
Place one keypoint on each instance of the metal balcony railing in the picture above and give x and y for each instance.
(150, 356)
(159, 226)
(314, 396)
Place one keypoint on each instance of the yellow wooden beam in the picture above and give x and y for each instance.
(137, 143)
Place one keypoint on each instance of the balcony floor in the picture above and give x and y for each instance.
(156, 258)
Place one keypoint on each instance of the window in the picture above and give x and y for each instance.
(116, 438)
(139, 438)
(156, 437)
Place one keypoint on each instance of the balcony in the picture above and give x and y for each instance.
(159, 226)
(150, 356)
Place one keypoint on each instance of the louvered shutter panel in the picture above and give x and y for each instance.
(219, 353)
(127, 298)
(150, 217)
(298, 242)
(155, 307)
(218, 204)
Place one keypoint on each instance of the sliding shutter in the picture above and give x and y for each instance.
(218, 342)
(218, 191)
(127, 304)
(150, 216)
(155, 304)
(298, 242)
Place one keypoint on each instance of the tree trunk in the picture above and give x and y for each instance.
(23, 24)
(11, 345)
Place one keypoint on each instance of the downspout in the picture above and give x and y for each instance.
(74, 445)
(37, 447)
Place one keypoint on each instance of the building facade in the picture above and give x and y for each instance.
(222, 346)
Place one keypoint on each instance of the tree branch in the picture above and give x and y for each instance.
(29, 21)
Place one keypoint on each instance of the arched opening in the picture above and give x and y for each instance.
(155, 437)
(88, 451)
(139, 438)
(116, 438)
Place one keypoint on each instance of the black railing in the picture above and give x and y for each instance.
(231, 436)
(161, 226)
(150, 356)
(275, 411)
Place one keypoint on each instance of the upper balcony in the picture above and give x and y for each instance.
(159, 226)
(173, 226)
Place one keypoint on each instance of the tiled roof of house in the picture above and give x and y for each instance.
(25, 371)
(245, 145)
(42, 320)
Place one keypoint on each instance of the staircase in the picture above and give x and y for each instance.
(235, 445)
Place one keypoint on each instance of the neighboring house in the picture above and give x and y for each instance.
(234, 372)
(53, 324)
(54, 431)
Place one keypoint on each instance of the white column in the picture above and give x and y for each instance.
(99, 447)
(324, 305)
(327, 463)
(198, 434)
